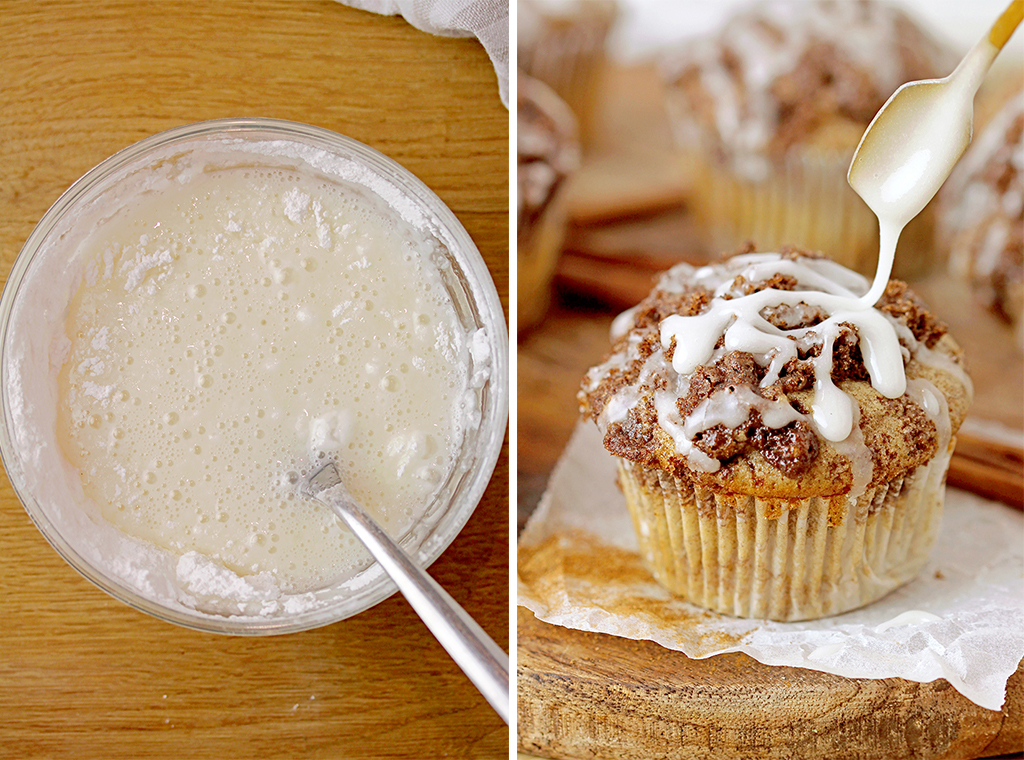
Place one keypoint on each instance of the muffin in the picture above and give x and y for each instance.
(548, 152)
(562, 43)
(982, 220)
(770, 470)
(768, 112)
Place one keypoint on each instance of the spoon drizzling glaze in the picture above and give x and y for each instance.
(473, 650)
(916, 139)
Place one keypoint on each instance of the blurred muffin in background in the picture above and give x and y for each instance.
(547, 152)
(981, 219)
(768, 112)
(562, 43)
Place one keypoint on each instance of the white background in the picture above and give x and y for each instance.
(647, 25)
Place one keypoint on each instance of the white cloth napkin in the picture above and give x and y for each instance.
(487, 20)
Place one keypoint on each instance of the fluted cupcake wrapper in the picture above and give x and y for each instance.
(568, 54)
(786, 560)
(537, 251)
(805, 201)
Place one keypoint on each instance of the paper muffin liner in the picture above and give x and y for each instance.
(793, 559)
(537, 251)
(804, 201)
(567, 52)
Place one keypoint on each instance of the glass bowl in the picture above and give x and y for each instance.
(34, 304)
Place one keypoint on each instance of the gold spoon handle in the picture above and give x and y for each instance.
(1006, 24)
(971, 71)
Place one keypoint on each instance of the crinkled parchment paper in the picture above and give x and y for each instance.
(962, 619)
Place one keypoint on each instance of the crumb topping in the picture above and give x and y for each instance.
(983, 213)
(547, 149)
(784, 73)
(740, 404)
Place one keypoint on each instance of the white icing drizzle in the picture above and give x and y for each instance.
(910, 617)
(910, 148)
(730, 407)
(862, 465)
(739, 321)
(622, 323)
(929, 357)
(670, 421)
(972, 199)
(768, 41)
(822, 285)
(930, 398)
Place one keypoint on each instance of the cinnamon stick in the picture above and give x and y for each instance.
(989, 468)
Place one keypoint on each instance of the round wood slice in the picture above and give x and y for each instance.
(587, 695)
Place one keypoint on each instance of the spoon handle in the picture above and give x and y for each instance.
(1006, 23)
(473, 650)
(975, 65)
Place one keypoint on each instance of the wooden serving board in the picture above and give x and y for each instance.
(588, 695)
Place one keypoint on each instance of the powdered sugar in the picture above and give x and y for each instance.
(296, 205)
(142, 265)
(100, 392)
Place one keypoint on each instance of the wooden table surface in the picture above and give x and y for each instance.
(82, 675)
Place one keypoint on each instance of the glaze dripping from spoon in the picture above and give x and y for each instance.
(916, 139)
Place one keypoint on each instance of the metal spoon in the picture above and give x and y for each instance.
(474, 651)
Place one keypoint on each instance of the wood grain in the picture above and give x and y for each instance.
(87, 677)
(585, 695)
